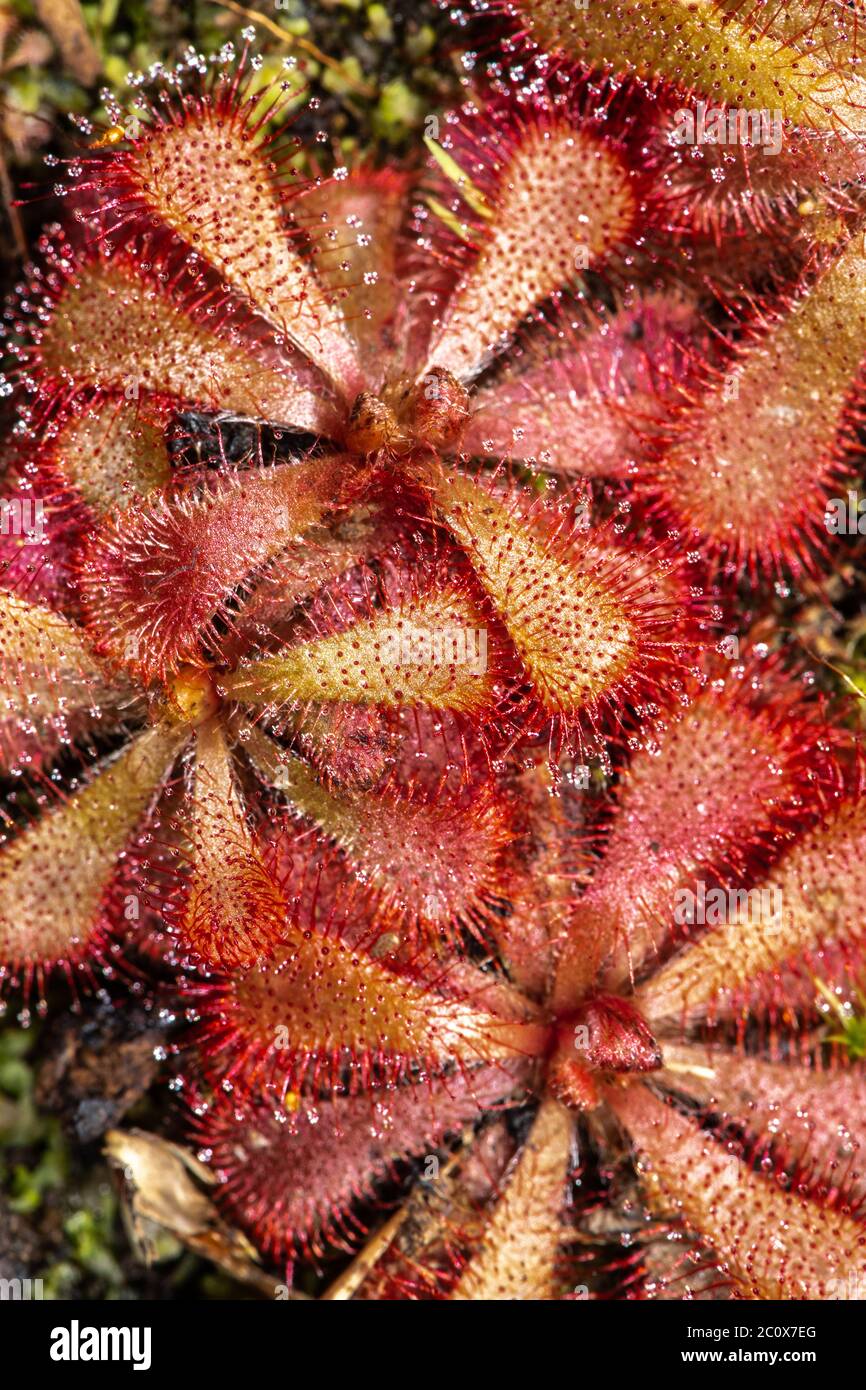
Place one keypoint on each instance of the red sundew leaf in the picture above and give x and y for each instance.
(516, 1259)
(441, 1221)
(799, 59)
(291, 1181)
(157, 575)
(775, 423)
(428, 280)
(49, 681)
(560, 200)
(756, 957)
(618, 1038)
(326, 554)
(37, 557)
(234, 913)
(115, 328)
(353, 227)
(716, 190)
(351, 746)
(433, 864)
(205, 172)
(322, 1006)
(589, 410)
(111, 451)
(775, 1244)
(712, 789)
(556, 416)
(549, 855)
(591, 631)
(54, 875)
(43, 656)
(150, 883)
(525, 925)
(673, 1267)
(398, 658)
(813, 1118)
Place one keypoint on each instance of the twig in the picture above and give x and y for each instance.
(65, 23)
(363, 88)
(351, 1278)
(8, 195)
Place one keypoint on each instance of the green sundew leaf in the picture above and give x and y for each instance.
(852, 1038)
(453, 223)
(852, 1026)
(472, 196)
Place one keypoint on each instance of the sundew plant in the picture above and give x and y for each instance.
(420, 631)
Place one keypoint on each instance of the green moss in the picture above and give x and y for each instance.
(28, 1185)
(399, 109)
(380, 23)
(26, 90)
(419, 43)
(60, 1280)
(107, 13)
(115, 69)
(346, 81)
(90, 1232)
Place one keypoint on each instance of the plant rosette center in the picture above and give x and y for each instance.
(431, 411)
(192, 697)
(607, 1034)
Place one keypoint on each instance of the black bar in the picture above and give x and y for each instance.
(258, 1337)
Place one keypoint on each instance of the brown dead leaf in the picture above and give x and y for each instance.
(65, 23)
(164, 1189)
(25, 48)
